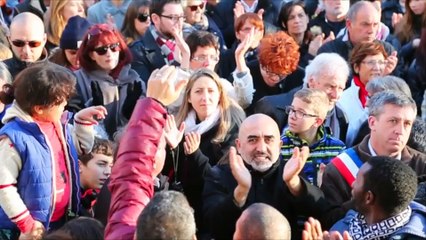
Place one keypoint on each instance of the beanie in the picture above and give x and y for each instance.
(74, 32)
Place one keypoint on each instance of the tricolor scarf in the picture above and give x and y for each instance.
(167, 46)
(359, 229)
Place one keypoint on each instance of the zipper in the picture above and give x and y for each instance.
(52, 160)
(67, 158)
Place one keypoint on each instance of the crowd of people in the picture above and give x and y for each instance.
(208, 119)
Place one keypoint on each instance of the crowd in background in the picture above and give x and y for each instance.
(209, 119)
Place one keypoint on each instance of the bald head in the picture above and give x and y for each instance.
(27, 36)
(259, 142)
(261, 221)
(258, 120)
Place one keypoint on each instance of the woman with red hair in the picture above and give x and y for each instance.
(276, 70)
(105, 77)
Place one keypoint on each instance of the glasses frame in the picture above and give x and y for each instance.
(373, 63)
(142, 17)
(175, 19)
(194, 8)
(102, 50)
(205, 58)
(21, 43)
(290, 110)
(272, 74)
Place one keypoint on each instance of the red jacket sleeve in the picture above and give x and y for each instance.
(131, 182)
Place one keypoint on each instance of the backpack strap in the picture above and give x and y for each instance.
(348, 164)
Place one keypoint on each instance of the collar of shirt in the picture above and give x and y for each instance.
(247, 8)
(373, 153)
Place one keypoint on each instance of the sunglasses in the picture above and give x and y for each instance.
(102, 50)
(20, 43)
(142, 17)
(195, 7)
(98, 29)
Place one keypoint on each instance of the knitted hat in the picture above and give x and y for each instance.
(74, 32)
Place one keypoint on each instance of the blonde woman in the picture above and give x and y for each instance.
(56, 19)
(210, 120)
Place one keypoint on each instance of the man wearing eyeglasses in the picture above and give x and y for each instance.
(157, 47)
(27, 39)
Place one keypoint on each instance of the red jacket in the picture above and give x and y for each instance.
(131, 182)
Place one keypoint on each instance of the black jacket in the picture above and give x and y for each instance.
(15, 66)
(192, 169)
(327, 26)
(147, 56)
(221, 213)
(388, 8)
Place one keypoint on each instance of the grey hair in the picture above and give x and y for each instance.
(397, 98)
(329, 64)
(384, 83)
(166, 216)
(5, 74)
(356, 7)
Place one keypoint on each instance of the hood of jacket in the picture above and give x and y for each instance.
(15, 111)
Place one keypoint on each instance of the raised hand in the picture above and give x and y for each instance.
(238, 10)
(192, 143)
(392, 60)
(315, 44)
(292, 169)
(335, 235)
(171, 133)
(241, 175)
(182, 51)
(97, 96)
(134, 92)
(163, 87)
(91, 115)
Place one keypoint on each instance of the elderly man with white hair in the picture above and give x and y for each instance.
(327, 72)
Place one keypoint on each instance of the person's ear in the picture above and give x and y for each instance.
(79, 166)
(237, 145)
(348, 23)
(318, 122)
(155, 18)
(372, 122)
(369, 198)
(356, 68)
(38, 110)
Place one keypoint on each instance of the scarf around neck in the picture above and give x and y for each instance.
(359, 229)
(202, 127)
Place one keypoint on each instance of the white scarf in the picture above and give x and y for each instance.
(202, 127)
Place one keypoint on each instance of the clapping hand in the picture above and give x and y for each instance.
(192, 143)
(171, 133)
(392, 60)
(313, 231)
(241, 175)
(292, 169)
